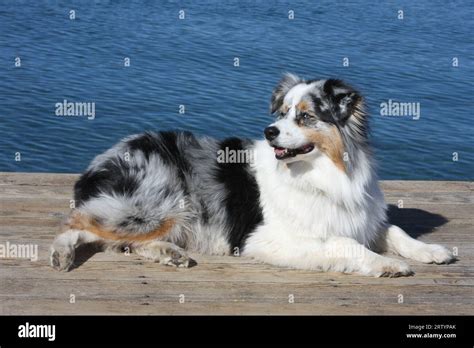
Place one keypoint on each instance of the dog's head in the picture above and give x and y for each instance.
(315, 117)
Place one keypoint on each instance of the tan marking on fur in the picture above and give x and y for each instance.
(302, 106)
(80, 221)
(330, 143)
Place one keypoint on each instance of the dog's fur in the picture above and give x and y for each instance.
(308, 199)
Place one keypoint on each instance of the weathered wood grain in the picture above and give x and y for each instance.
(32, 205)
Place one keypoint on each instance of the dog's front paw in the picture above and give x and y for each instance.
(61, 258)
(433, 253)
(391, 268)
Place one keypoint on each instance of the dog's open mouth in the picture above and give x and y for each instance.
(283, 152)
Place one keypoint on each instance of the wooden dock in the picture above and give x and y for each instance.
(31, 206)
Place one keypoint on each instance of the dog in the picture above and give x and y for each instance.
(308, 197)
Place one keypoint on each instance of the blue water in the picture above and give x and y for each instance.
(191, 62)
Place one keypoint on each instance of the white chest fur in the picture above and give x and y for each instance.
(317, 200)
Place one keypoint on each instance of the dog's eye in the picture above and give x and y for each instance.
(281, 114)
(305, 115)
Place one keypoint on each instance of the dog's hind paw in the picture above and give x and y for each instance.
(62, 259)
(178, 258)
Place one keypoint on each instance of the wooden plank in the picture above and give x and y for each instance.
(426, 186)
(150, 306)
(32, 205)
(225, 269)
(38, 179)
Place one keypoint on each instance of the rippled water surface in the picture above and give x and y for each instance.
(190, 62)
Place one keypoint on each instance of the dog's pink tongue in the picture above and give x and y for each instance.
(279, 151)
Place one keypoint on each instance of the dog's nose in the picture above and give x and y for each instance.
(271, 132)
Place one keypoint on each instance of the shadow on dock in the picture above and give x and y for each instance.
(84, 252)
(415, 222)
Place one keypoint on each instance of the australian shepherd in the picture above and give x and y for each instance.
(306, 197)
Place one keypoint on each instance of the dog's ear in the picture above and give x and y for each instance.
(286, 83)
(343, 98)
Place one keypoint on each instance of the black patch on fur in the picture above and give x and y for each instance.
(131, 221)
(165, 145)
(145, 143)
(330, 84)
(242, 201)
(348, 98)
(162, 144)
(168, 150)
(325, 115)
(112, 177)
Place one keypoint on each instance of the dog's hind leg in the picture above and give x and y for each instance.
(81, 229)
(400, 243)
(63, 250)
